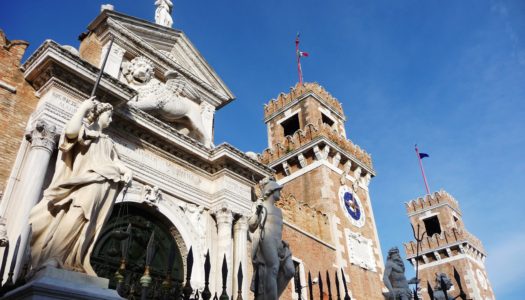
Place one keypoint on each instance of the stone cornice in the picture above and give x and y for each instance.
(51, 60)
(169, 139)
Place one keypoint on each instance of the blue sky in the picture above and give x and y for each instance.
(448, 75)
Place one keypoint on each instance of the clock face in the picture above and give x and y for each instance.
(352, 206)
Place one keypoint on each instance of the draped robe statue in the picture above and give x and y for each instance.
(88, 177)
(271, 257)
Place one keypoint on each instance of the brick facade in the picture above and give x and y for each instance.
(313, 164)
(17, 102)
(449, 245)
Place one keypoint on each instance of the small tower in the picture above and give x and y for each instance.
(447, 245)
(326, 205)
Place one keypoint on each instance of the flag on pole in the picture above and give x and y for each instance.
(299, 55)
(420, 156)
(423, 155)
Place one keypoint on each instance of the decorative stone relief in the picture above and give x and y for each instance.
(4, 240)
(357, 173)
(114, 59)
(481, 278)
(198, 220)
(336, 160)
(318, 154)
(286, 168)
(43, 136)
(152, 195)
(360, 250)
(175, 101)
(326, 151)
(302, 161)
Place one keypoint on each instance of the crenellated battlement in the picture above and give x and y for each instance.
(275, 105)
(446, 239)
(309, 133)
(431, 200)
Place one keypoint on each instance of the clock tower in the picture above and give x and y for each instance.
(447, 245)
(329, 221)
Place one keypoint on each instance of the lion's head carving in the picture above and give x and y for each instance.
(138, 71)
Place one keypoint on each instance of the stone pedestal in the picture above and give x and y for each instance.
(51, 283)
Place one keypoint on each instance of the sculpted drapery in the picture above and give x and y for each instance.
(88, 176)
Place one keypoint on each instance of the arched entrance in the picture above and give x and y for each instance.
(144, 220)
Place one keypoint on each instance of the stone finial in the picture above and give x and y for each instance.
(163, 12)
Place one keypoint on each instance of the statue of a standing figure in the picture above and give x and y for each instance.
(271, 257)
(163, 12)
(394, 277)
(88, 176)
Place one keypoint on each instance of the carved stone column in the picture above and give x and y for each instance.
(224, 219)
(240, 255)
(43, 142)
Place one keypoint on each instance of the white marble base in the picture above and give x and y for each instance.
(52, 283)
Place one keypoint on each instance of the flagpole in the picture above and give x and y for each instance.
(422, 170)
(299, 71)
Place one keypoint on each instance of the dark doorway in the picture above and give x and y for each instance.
(106, 257)
(432, 225)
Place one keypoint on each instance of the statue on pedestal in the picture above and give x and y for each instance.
(394, 278)
(271, 257)
(88, 176)
(163, 13)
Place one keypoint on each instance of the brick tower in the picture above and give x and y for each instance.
(329, 221)
(447, 244)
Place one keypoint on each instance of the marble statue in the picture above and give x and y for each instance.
(438, 291)
(88, 176)
(163, 12)
(175, 101)
(394, 277)
(271, 257)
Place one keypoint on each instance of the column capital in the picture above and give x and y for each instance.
(223, 214)
(241, 224)
(43, 135)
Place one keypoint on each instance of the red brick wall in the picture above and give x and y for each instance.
(15, 108)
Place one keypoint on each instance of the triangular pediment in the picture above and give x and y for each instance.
(169, 43)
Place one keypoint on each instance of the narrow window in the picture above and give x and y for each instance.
(432, 225)
(291, 125)
(327, 120)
